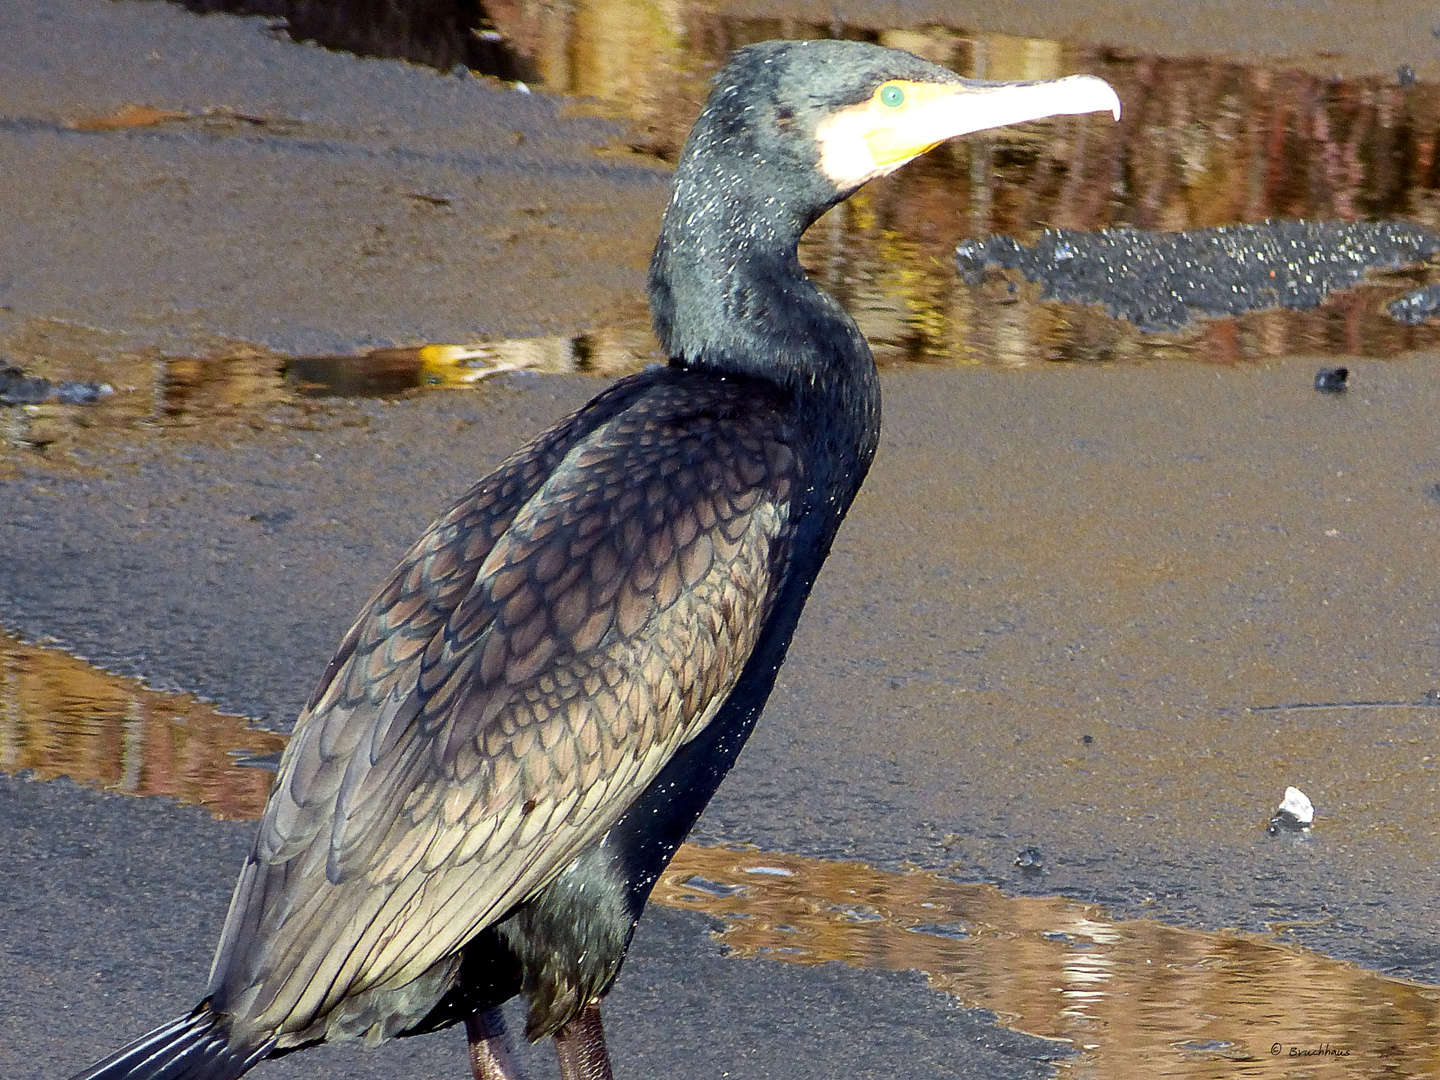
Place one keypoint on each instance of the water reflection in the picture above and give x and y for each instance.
(1137, 998)
(240, 388)
(1201, 143)
(609, 351)
(61, 717)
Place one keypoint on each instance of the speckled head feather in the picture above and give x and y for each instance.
(770, 100)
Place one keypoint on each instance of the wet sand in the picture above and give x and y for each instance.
(1139, 555)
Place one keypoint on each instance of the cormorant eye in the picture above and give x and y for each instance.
(892, 95)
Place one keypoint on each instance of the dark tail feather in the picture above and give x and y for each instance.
(195, 1047)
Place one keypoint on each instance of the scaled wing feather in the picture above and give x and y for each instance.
(510, 722)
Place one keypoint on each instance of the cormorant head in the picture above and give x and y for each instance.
(790, 129)
(828, 116)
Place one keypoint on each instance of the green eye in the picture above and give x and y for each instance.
(892, 96)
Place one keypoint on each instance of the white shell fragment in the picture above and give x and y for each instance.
(1297, 804)
(1294, 812)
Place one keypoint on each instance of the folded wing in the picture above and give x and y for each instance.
(512, 689)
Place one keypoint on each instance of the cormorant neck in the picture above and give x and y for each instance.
(727, 292)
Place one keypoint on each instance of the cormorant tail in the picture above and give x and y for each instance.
(194, 1047)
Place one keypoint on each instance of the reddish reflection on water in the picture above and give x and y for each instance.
(1137, 999)
(1201, 142)
(243, 388)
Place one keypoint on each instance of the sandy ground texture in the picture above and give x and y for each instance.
(1050, 620)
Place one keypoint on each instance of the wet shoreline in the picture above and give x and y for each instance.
(943, 677)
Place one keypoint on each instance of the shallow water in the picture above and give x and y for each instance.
(1200, 143)
(59, 716)
(1136, 998)
(239, 389)
(1131, 998)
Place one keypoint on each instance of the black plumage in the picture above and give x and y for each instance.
(530, 714)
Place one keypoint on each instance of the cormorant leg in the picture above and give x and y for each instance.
(491, 1054)
(581, 1047)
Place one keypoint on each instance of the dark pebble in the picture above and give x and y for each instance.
(80, 393)
(270, 520)
(17, 388)
(1331, 380)
(1285, 822)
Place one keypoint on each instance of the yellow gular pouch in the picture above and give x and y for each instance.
(902, 119)
(905, 128)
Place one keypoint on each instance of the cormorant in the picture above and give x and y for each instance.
(525, 721)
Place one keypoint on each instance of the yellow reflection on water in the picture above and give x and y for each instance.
(61, 717)
(1201, 143)
(1136, 999)
(241, 388)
